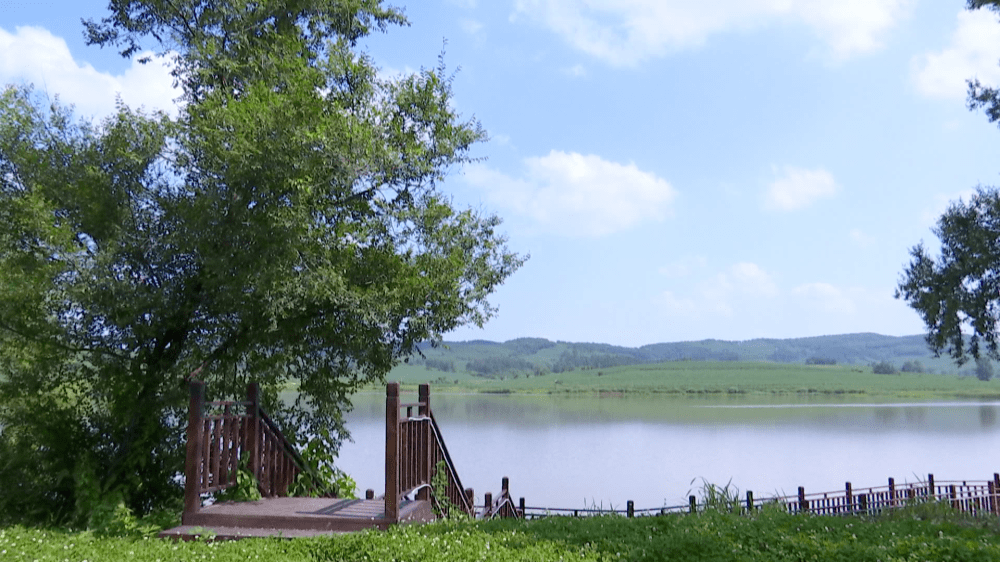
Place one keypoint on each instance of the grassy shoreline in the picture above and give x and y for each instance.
(929, 532)
(708, 378)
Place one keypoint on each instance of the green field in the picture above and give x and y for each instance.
(770, 535)
(698, 378)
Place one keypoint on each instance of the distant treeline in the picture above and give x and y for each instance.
(537, 356)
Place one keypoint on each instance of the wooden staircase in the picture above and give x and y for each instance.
(222, 435)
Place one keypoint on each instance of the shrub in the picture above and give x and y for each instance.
(884, 368)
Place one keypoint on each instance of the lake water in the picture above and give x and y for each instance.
(575, 452)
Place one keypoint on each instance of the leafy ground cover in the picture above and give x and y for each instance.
(695, 378)
(920, 533)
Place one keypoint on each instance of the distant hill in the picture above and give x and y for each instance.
(537, 355)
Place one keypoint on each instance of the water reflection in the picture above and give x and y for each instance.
(571, 451)
(987, 416)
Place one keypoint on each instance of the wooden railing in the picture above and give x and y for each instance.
(975, 497)
(414, 448)
(222, 434)
(503, 505)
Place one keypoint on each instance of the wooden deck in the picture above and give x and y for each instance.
(294, 517)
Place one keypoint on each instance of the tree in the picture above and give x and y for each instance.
(961, 289)
(984, 369)
(884, 368)
(286, 227)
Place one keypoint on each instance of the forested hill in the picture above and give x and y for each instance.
(487, 358)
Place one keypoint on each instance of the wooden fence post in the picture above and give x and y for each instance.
(369, 494)
(692, 507)
(630, 508)
(892, 492)
(953, 496)
(392, 452)
(749, 501)
(930, 487)
(193, 462)
(254, 430)
(488, 502)
(520, 507)
(803, 503)
(991, 500)
(849, 497)
(424, 398)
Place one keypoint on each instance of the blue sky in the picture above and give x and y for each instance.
(677, 169)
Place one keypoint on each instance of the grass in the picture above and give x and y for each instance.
(920, 533)
(699, 378)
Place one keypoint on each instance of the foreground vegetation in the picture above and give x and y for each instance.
(699, 378)
(929, 532)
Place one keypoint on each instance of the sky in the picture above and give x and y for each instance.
(677, 170)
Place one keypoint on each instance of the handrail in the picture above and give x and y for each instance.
(296, 457)
(464, 502)
(413, 447)
(503, 505)
(217, 443)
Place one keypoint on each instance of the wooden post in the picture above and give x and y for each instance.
(630, 508)
(505, 484)
(488, 502)
(520, 507)
(193, 461)
(863, 502)
(392, 452)
(991, 500)
(470, 498)
(692, 507)
(930, 487)
(803, 504)
(749, 501)
(253, 429)
(892, 492)
(849, 496)
(424, 398)
(954, 500)
(369, 494)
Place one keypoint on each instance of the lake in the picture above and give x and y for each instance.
(581, 451)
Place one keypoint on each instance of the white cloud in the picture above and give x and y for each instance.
(577, 70)
(470, 26)
(577, 195)
(973, 53)
(825, 297)
(34, 55)
(626, 32)
(683, 267)
(797, 188)
(732, 292)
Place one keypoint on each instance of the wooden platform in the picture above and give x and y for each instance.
(293, 517)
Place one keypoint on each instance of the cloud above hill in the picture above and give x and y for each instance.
(973, 53)
(34, 55)
(798, 188)
(574, 194)
(627, 32)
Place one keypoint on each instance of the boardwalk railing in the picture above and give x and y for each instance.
(221, 434)
(414, 449)
(975, 497)
(503, 505)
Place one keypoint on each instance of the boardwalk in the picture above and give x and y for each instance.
(295, 517)
(224, 436)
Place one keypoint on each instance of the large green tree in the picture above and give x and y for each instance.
(958, 293)
(286, 227)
